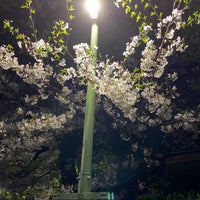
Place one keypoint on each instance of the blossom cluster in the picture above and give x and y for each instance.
(37, 74)
(42, 123)
(29, 131)
(112, 80)
(109, 79)
(39, 49)
(187, 120)
(84, 60)
(155, 57)
(157, 103)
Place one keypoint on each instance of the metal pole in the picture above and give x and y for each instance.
(84, 184)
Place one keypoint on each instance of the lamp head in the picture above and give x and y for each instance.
(93, 8)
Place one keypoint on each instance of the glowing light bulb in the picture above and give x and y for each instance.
(93, 7)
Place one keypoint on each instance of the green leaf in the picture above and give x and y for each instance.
(24, 6)
(137, 70)
(155, 7)
(136, 6)
(183, 25)
(133, 14)
(6, 25)
(71, 17)
(63, 71)
(140, 86)
(138, 17)
(10, 46)
(128, 9)
(71, 8)
(161, 14)
(146, 5)
(185, 1)
(123, 4)
(61, 22)
(144, 39)
(56, 56)
(20, 36)
(33, 11)
(61, 41)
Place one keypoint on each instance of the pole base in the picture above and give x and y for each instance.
(84, 196)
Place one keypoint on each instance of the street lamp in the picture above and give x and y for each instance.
(84, 184)
(84, 179)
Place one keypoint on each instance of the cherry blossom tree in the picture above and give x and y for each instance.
(43, 97)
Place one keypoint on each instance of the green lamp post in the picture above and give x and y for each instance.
(84, 179)
(86, 163)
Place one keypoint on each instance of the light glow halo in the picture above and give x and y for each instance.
(93, 7)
